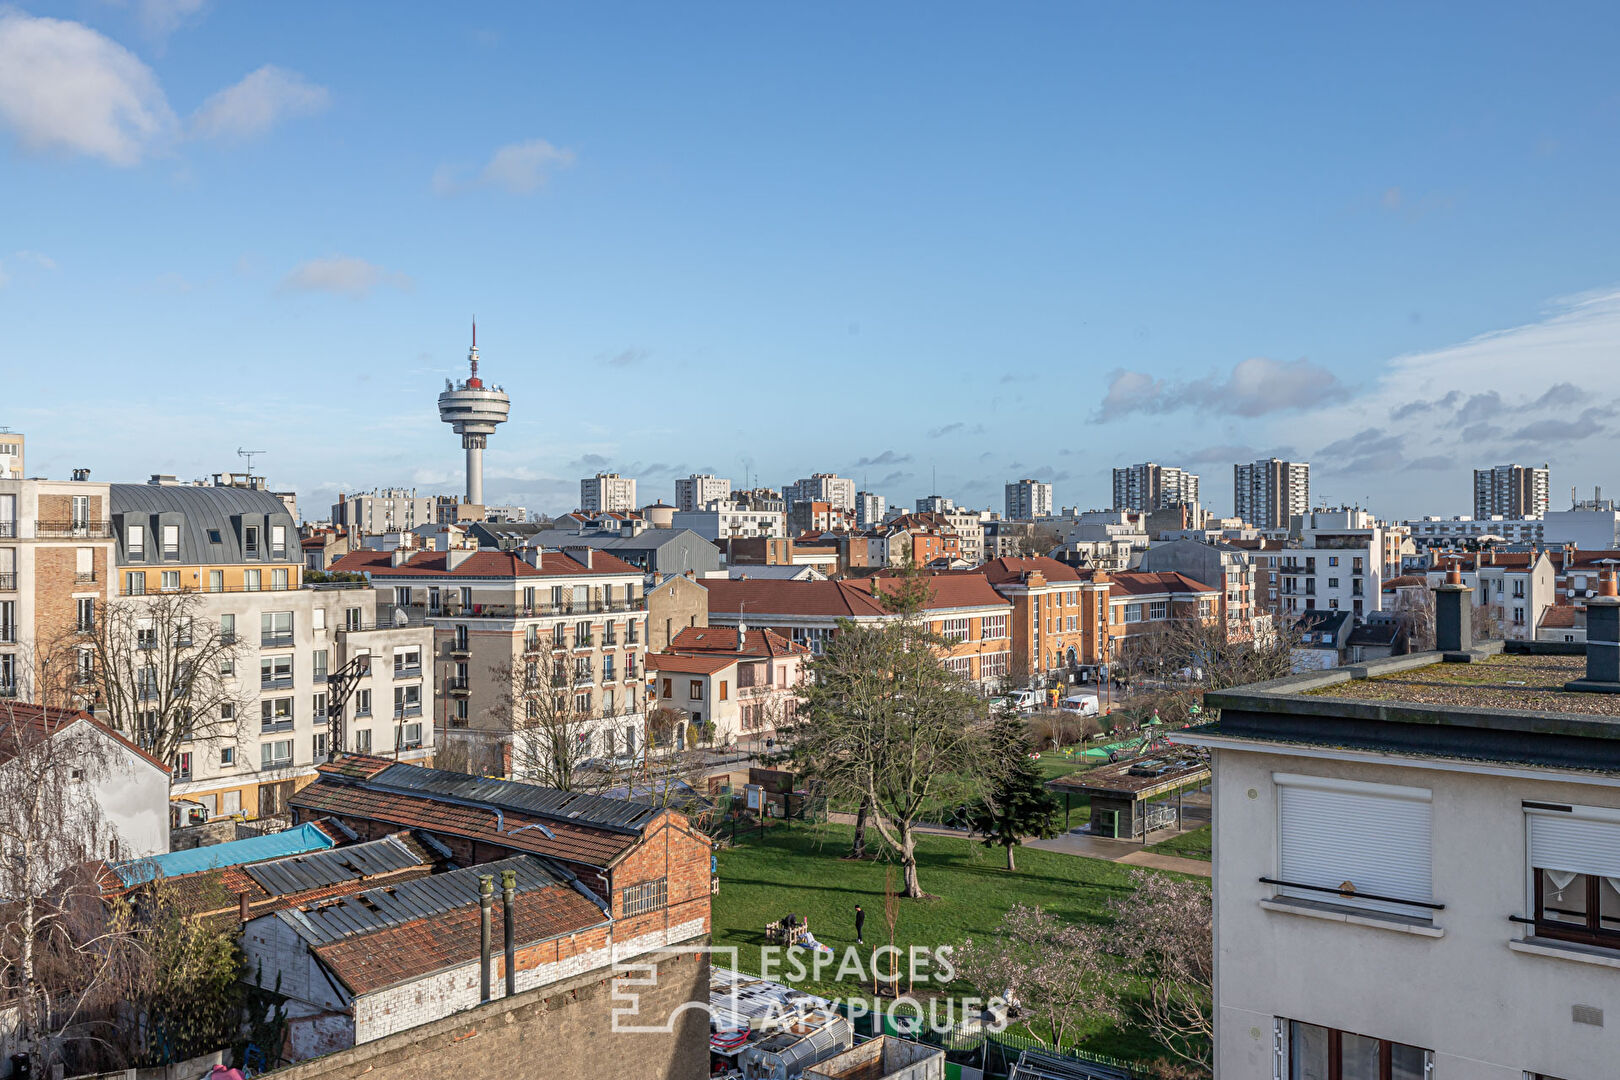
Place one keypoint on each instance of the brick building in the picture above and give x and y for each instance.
(1141, 603)
(1059, 617)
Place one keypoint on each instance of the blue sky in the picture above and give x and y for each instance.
(878, 239)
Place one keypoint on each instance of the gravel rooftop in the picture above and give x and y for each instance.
(1505, 681)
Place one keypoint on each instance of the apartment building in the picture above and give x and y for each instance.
(606, 493)
(383, 510)
(1151, 486)
(1142, 603)
(969, 528)
(1027, 500)
(733, 684)
(1231, 570)
(1456, 532)
(498, 616)
(12, 453)
(962, 608)
(1415, 875)
(1511, 491)
(869, 509)
(1338, 563)
(236, 550)
(56, 569)
(837, 491)
(718, 520)
(699, 490)
(1515, 588)
(1268, 493)
(1059, 618)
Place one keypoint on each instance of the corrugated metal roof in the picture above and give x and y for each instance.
(327, 921)
(616, 815)
(296, 841)
(201, 513)
(319, 869)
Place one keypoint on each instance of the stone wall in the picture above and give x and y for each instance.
(563, 1030)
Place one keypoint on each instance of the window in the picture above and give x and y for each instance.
(276, 754)
(410, 736)
(669, 688)
(461, 712)
(362, 702)
(276, 670)
(1575, 873)
(84, 666)
(695, 690)
(643, 898)
(250, 541)
(135, 583)
(86, 614)
(278, 580)
(725, 687)
(182, 765)
(278, 541)
(252, 580)
(1319, 1053)
(135, 543)
(227, 756)
(275, 714)
(354, 618)
(1133, 613)
(230, 803)
(408, 700)
(407, 662)
(362, 741)
(582, 703)
(317, 704)
(213, 536)
(1333, 583)
(320, 664)
(1333, 560)
(1159, 609)
(171, 543)
(1347, 843)
(992, 627)
(318, 746)
(171, 581)
(610, 631)
(954, 629)
(607, 667)
(216, 581)
(275, 628)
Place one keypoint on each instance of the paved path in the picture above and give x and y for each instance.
(1082, 844)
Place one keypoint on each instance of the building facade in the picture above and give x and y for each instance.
(700, 489)
(838, 491)
(1059, 617)
(869, 509)
(719, 520)
(607, 493)
(1269, 492)
(382, 510)
(1150, 486)
(733, 685)
(12, 453)
(1511, 491)
(1338, 563)
(1028, 500)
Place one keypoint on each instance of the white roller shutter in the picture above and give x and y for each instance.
(1578, 845)
(1374, 836)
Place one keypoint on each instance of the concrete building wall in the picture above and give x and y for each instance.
(1487, 1012)
(675, 605)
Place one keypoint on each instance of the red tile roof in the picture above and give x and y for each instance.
(1009, 571)
(22, 721)
(769, 596)
(369, 962)
(571, 842)
(723, 639)
(482, 564)
(1559, 617)
(1144, 583)
(950, 590)
(691, 665)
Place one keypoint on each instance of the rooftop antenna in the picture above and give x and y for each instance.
(249, 455)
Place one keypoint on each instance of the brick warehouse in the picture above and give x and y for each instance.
(644, 869)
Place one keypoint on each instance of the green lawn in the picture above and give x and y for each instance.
(1189, 845)
(799, 869)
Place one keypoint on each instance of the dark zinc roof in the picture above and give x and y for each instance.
(203, 514)
(319, 869)
(327, 921)
(614, 815)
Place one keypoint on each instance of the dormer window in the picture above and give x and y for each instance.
(135, 542)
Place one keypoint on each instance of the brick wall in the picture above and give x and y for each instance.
(561, 1030)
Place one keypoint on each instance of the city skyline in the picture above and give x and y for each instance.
(265, 236)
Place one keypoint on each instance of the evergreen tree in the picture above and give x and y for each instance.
(1017, 804)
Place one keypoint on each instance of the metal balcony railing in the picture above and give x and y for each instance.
(8, 530)
(60, 530)
(275, 682)
(401, 711)
(276, 640)
(272, 727)
(8, 582)
(407, 671)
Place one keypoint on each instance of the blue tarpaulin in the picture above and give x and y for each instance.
(235, 853)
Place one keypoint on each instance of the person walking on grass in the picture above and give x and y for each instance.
(860, 925)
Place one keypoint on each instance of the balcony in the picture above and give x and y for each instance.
(275, 682)
(84, 578)
(458, 687)
(401, 711)
(68, 530)
(407, 671)
(8, 530)
(8, 582)
(584, 678)
(274, 727)
(280, 639)
(460, 651)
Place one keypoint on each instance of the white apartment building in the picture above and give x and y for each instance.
(1028, 500)
(11, 454)
(935, 504)
(1516, 590)
(383, 510)
(1511, 491)
(607, 493)
(720, 520)
(1337, 564)
(1151, 486)
(836, 491)
(969, 527)
(869, 509)
(1460, 531)
(1269, 492)
(1413, 883)
(700, 489)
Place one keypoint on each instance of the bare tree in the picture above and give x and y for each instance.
(1057, 975)
(1414, 611)
(60, 957)
(1036, 540)
(162, 673)
(1164, 931)
(555, 743)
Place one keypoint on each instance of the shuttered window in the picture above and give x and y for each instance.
(1575, 870)
(1359, 840)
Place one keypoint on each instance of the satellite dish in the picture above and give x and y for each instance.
(401, 617)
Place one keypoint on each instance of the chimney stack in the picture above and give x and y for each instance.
(1453, 614)
(486, 903)
(1603, 635)
(508, 895)
(242, 912)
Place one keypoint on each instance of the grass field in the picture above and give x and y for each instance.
(1189, 845)
(800, 869)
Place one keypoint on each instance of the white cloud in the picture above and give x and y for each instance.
(342, 274)
(39, 259)
(257, 103)
(65, 87)
(160, 18)
(1255, 387)
(519, 168)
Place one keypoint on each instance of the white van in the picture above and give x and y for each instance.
(1025, 701)
(1080, 705)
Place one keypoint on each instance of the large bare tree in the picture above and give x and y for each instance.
(555, 743)
(1164, 930)
(162, 673)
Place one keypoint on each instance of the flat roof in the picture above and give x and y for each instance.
(1525, 681)
(1140, 777)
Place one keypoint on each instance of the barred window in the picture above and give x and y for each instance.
(992, 627)
(648, 896)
